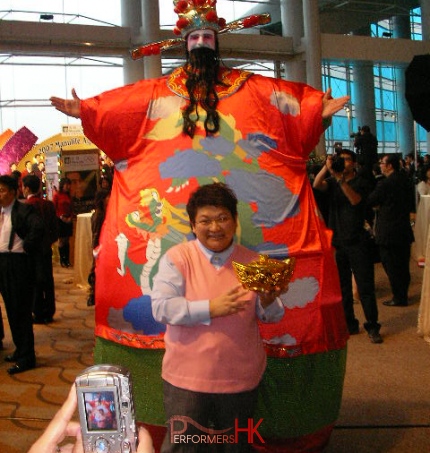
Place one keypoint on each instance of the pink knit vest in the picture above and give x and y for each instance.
(226, 356)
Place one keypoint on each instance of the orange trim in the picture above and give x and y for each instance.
(232, 79)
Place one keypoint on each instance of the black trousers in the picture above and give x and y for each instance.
(1, 326)
(395, 260)
(44, 289)
(16, 289)
(357, 260)
(216, 411)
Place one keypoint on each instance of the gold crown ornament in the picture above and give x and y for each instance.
(265, 274)
(197, 15)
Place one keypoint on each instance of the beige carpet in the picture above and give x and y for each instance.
(386, 404)
(63, 349)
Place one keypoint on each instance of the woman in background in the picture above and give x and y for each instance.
(98, 217)
(64, 209)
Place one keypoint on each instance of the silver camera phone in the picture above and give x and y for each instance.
(106, 410)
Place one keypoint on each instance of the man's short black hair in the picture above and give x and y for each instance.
(217, 194)
(32, 182)
(10, 182)
(393, 160)
(349, 153)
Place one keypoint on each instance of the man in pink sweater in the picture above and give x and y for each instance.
(214, 357)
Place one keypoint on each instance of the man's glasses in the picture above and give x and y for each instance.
(221, 220)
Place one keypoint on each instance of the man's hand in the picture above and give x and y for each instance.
(331, 105)
(268, 297)
(230, 303)
(71, 107)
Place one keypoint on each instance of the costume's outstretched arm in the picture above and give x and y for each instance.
(332, 105)
(71, 107)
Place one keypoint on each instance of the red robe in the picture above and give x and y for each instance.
(268, 128)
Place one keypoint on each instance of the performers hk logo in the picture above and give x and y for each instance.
(179, 425)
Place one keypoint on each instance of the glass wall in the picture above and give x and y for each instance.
(340, 79)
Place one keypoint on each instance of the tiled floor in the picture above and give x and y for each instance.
(63, 349)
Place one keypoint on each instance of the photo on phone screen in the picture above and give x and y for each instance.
(101, 411)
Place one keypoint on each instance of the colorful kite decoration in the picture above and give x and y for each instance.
(15, 148)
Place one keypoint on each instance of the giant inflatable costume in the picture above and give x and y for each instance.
(268, 127)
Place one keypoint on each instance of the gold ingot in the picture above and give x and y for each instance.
(265, 274)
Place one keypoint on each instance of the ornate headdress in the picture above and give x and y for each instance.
(197, 15)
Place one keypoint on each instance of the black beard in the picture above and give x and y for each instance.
(202, 70)
(203, 65)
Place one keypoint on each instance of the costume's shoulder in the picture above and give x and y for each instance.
(277, 84)
(231, 81)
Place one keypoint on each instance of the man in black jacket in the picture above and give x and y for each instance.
(21, 233)
(393, 228)
(347, 194)
(44, 290)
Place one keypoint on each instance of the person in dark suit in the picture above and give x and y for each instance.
(44, 291)
(393, 230)
(347, 191)
(21, 234)
(366, 145)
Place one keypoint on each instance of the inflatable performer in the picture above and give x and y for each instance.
(203, 123)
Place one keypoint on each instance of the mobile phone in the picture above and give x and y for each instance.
(106, 409)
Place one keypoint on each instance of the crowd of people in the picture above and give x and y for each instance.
(371, 216)
(30, 225)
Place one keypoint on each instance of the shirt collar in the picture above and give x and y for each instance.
(7, 209)
(216, 258)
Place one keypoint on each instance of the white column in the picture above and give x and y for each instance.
(131, 16)
(401, 29)
(292, 26)
(425, 23)
(364, 90)
(150, 32)
(312, 42)
(425, 19)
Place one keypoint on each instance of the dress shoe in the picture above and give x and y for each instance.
(38, 321)
(10, 358)
(354, 330)
(43, 320)
(393, 303)
(20, 368)
(375, 337)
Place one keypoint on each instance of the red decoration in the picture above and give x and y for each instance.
(211, 16)
(182, 23)
(199, 2)
(154, 49)
(176, 31)
(181, 6)
(250, 21)
(222, 22)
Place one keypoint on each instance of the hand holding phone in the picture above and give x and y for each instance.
(106, 409)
